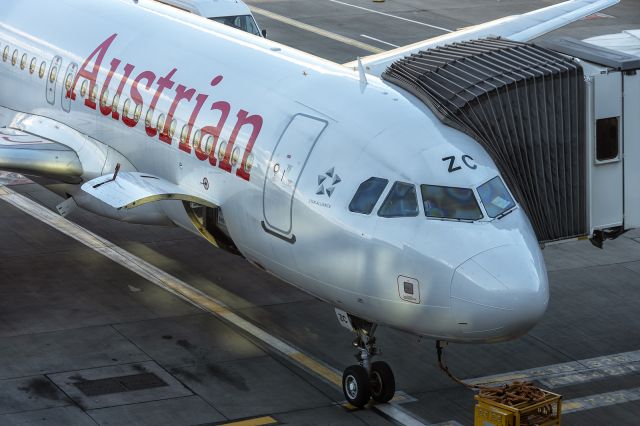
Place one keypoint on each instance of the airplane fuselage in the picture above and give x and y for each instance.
(281, 141)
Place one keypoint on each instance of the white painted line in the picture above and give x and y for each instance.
(600, 400)
(396, 413)
(179, 288)
(378, 40)
(572, 372)
(316, 30)
(392, 16)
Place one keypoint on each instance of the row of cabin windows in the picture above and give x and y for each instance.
(6, 52)
(205, 144)
(441, 202)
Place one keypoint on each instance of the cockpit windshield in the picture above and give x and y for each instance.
(447, 202)
(242, 22)
(400, 202)
(495, 197)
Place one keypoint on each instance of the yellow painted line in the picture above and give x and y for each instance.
(498, 379)
(318, 368)
(571, 405)
(191, 295)
(260, 421)
(168, 282)
(316, 30)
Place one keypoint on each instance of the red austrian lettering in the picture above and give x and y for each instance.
(106, 107)
(96, 59)
(185, 144)
(136, 97)
(182, 94)
(256, 125)
(128, 69)
(163, 83)
(214, 132)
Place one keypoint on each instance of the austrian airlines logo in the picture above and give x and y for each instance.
(327, 182)
(149, 83)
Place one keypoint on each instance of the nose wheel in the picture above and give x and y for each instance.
(366, 380)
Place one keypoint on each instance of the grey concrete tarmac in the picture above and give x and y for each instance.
(68, 313)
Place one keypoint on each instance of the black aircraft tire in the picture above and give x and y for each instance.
(383, 383)
(355, 385)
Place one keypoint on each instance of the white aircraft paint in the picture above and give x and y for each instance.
(279, 140)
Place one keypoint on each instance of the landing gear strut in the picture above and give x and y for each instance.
(365, 380)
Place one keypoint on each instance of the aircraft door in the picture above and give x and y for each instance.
(68, 82)
(285, 167)
(52, 79)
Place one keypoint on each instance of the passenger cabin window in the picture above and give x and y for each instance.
(495, 197)
(367, 195)
(446, 202)
(607, 139)
(400, 202)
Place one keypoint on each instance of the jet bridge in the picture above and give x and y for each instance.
(553, 125)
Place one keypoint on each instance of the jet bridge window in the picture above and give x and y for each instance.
(445, 202)
(495, 197)
(607, 139)
(400, 202)
(367, 195)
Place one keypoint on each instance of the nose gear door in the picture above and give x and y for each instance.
(285, 167)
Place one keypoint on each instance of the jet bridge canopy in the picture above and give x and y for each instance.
(525, 105)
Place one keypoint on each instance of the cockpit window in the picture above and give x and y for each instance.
(241, 22)
(400, 202)
(447, 202)
(367, 195)
(495, 197)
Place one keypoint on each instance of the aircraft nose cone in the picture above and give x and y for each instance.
(502, 292)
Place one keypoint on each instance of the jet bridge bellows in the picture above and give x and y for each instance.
(525, 105)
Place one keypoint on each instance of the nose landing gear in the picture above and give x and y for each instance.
(365, 380)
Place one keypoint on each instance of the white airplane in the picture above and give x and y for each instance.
(329, 177)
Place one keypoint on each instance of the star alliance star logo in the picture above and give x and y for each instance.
(327, 182)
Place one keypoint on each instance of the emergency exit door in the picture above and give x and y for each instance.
(285, 167)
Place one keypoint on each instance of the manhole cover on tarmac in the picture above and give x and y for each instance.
(120, 384)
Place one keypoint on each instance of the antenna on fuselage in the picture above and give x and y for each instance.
(363, 75)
